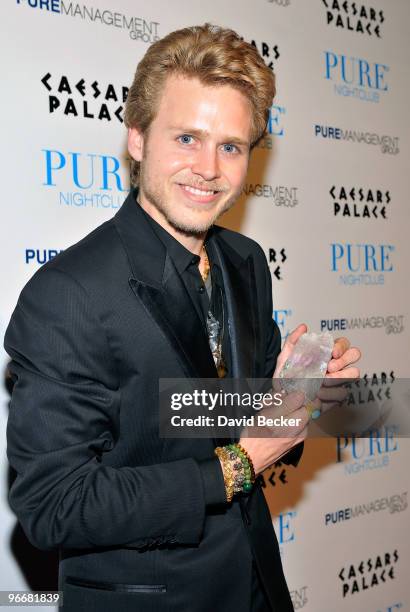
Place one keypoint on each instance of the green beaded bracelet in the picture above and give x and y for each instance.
(247, 483)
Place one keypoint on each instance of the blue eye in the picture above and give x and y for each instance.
(230, 148)
(185, 139)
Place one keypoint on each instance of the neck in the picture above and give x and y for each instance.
(192, 242)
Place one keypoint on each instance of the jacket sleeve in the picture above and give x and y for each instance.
(273, 348)
(64, 415)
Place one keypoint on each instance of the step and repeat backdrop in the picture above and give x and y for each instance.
(326, 197)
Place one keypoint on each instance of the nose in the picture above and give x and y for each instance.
(206, 163)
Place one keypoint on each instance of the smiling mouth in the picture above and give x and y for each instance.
(196, 191)
(194, 196)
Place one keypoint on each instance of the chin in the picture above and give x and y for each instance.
(189, 226)
(190, 220)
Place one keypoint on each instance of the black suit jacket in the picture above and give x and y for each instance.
(93, 331)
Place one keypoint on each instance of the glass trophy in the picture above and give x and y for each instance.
(306, 366)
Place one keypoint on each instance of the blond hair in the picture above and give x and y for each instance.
(215, 56)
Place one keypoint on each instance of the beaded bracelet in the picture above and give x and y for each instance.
(248, 469)
(245, 452)
(238, 470)
(227, 471)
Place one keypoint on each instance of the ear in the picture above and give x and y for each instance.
(135, 143)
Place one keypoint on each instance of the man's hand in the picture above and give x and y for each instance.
(265, 451)
(343, 356)
(271, 443)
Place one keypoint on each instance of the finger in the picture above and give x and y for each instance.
(340, 346)
(333, 394)
(346, 373)
(294, 336)
(330, 381)
(350, 356)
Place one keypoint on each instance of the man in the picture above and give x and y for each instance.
(142, 522)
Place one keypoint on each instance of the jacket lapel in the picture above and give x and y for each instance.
(172, 309)
(158, 286)
(240, 293)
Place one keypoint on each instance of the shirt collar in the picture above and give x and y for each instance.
(181, 256)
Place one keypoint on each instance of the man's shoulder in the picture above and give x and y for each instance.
(242, 244)
(90, 261)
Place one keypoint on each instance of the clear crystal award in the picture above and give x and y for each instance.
(306, 366)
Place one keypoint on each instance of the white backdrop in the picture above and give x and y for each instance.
(326, 199)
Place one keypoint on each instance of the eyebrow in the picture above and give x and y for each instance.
(203, 133)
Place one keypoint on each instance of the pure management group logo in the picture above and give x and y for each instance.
(138, 28)
(386, 143)
(392, 503)
(391, 324)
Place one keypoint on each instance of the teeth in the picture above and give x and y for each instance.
(196, 191)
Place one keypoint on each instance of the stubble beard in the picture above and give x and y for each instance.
(188, 227)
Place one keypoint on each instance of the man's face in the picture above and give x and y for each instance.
(195, 156)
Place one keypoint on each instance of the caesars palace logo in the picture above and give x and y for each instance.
(87, 99)
(360, 202)
(354, 16)
(368, 573)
